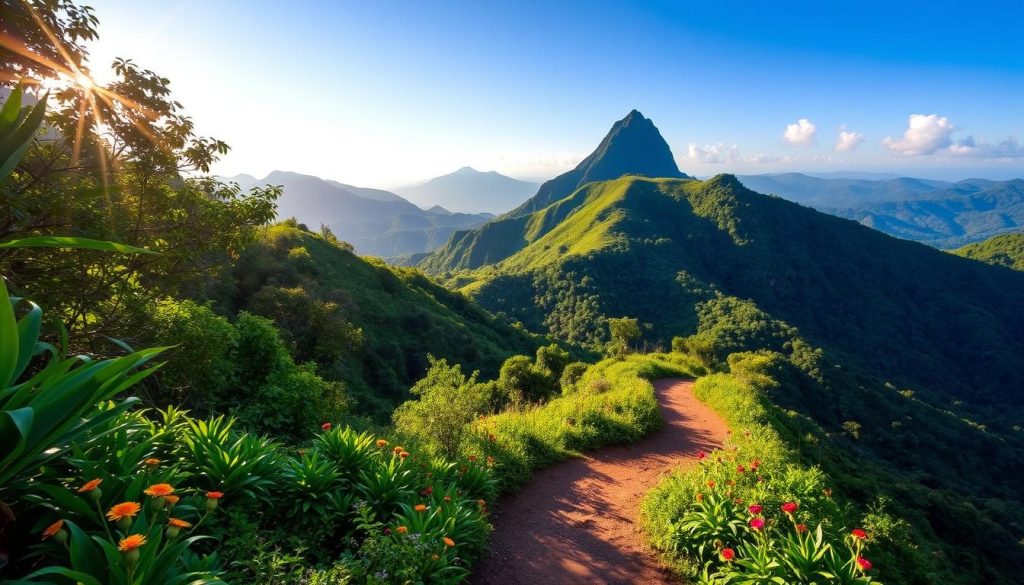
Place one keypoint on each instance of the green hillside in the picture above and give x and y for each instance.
(884, 346)
(363, 322)
(1006, 250)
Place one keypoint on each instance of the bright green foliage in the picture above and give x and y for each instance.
(1005, 250)
(44, 412)
(614, 403)
(18, 126)
(624, 332)
(446, 402)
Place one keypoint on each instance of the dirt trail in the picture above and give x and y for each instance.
(577, 522)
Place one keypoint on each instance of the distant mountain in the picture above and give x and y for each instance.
(375, 222)
(632, 147)
(937, 213)
(468, 190)
(1005, 250)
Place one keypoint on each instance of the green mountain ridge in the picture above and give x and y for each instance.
(1005, 250)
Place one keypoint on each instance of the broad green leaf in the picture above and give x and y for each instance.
(73, 242)
(9, 346)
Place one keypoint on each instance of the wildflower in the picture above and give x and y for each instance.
(741, 469)
(711, 483)
(123, 511)
(754, 509)
(859, 534)
(170, 501)
(864, 564)
(755, 464)
(738, 501)
(151, 462)
(387, 532)
(397, 450)
(728, 554)
(481, 503)
(404, 454)
(421, 508)
(426, 492)
(448, 542)
(55, 530)
(129, 545)
(700, 497)
(434, 557)
(447, 498)
(326, 426)
(402, 529)
(801, 528)
(490, 462)
(756, 523)
(381, 443)
(213, 500)
(131, 542)
(90, 485)
(472, 458)
(159, 490)
(174, 526)
(701, 456)
(827, 492)
(789, 507)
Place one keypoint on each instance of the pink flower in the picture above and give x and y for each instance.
(864, 564)
(754, 509)
(728, 554)
(790, 507)
(326, 426)
(756, 523)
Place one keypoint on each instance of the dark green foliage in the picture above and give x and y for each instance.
(361, 322)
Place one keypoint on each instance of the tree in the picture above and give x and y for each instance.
(623, 331)
(447, 403)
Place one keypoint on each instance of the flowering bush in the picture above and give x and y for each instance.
(748, 513)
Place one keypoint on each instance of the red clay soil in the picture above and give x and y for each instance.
(577, 522)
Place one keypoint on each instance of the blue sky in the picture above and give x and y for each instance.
(389, 93)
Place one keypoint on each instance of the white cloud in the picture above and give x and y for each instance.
(712, 153)
(848, 140)
(926, 134)
(1009, 148)
(800, 134)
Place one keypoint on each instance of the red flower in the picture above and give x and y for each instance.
(741, 469)
(864, 564)
(859, 534)
(728, 554)
(711, 483)
(754, 509)
(801, 528)
(790, 507)
(701, 455)
(756, 523)
(326, 426)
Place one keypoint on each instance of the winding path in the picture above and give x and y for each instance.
(577, 522)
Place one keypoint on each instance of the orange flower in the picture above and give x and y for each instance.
(421, 508)
(151, 462)
(382, 443)
(123, 510)
(402, 530)
(403, 454)
(131, 542)
(178, 523)
(214, 495)
(448, 542)
(490, 461)
(171, 500)
(472, 458)
(90, 485)
(160, 489)
(53, 529)
(397, 450)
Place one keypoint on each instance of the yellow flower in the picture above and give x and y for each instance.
(123, 510)
(131, 542)
(160, 489)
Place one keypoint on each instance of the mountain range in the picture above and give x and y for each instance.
(938, 213)
(374, 221)
(468, 190)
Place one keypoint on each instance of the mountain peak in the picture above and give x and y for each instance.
(633, 146)
(467, 170)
